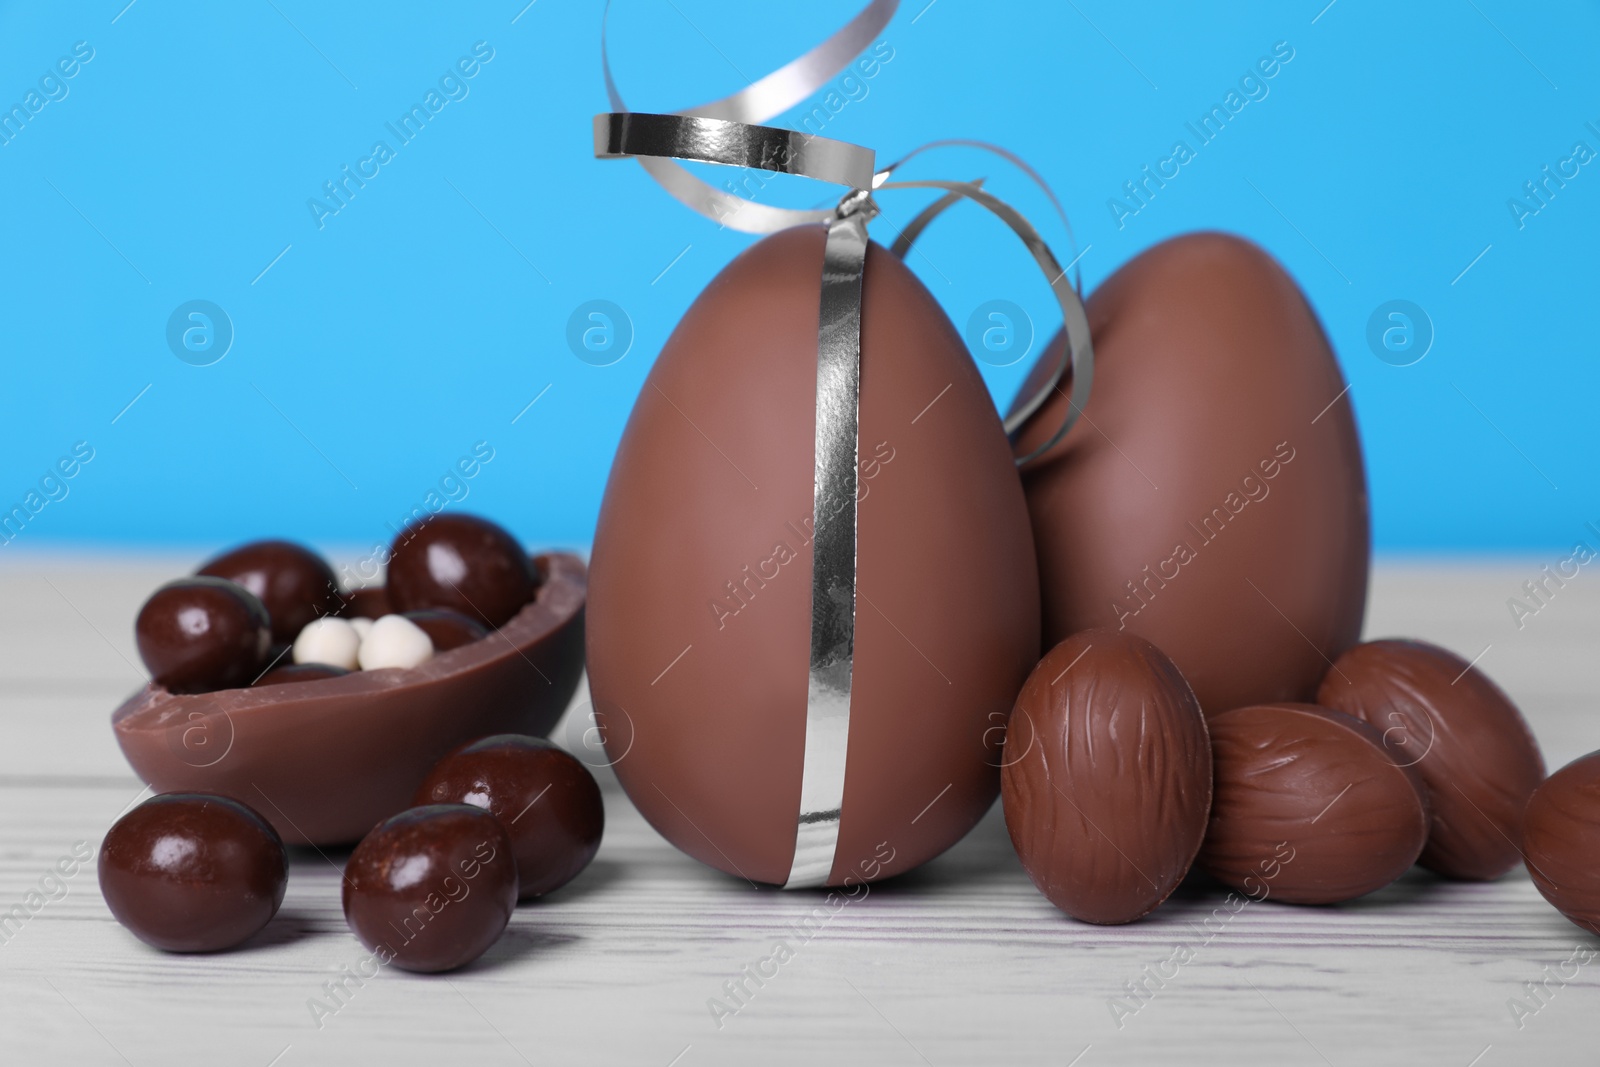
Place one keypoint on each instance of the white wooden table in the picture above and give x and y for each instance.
(960, 962)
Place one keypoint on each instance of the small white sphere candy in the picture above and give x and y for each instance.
(331, 641)
(395, 641)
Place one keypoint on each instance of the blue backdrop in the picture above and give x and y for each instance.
(216, 348)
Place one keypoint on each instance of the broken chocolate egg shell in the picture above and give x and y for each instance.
(326, 760)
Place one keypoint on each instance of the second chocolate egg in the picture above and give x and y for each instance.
(1212, 498)
(701, 587)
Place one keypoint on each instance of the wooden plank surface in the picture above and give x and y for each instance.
(959, 962)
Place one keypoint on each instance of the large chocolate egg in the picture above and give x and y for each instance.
(700, 589)
(1212, 499)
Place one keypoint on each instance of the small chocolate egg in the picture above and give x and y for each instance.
(1106, 777)
(201, 634)
(1308, 806)
(463, 563)
(1467, 741)
(447, 629)
(292, 582)
(430, 889)
(1561, 840)
(547, 801)
(193, 872)
(1212, 498)
(699, 638)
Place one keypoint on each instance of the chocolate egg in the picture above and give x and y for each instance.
(1212, 498)
(462, 563)
(1106, 777)
(325, 759)
(201, 634)
(1308, 807)
(1467, 741)
(1561, 840)
(701, 593)
(294, 583)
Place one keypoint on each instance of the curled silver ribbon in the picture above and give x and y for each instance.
(728, 132)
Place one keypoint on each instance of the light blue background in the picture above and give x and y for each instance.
(427, 313)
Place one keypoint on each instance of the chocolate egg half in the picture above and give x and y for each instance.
(1212, 498)
(700, 618)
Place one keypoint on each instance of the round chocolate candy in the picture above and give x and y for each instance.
(299, 672)
(1308, 807)
(546, 799)
(430, 889)
(1561, 839)
(700, 638)
(294, 583)
(201, 634)
(463, 563)
(1106, 776)
(1214, 381)
(447, 629)
(193, 872)
(1467, 741)
(368, 602)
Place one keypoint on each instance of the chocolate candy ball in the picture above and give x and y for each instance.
(299, 672)
(294, 583)
(1106, 776)
(368, 602)
(546, 799)
(1468, 742)
(463, 563)
(447, 629)
(193, 872)
(1309, 807)
(1561, 840)
(200, 634)
(432, 888)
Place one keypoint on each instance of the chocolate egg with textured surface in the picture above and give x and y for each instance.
(193, 872)
(1212, 498)
(432, 888)
(547, 801)
(294, 583)
(1561, 840)
(1308, 807)
(201, 634)
(1467, 741)
(1106, 777)
(700, 628)
(463, 563)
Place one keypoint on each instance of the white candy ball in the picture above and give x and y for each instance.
(395, 641)
(363, 627)
(331, 641)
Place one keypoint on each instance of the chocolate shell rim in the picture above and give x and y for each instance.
(561, 597)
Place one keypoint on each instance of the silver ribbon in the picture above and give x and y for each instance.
(729, 132)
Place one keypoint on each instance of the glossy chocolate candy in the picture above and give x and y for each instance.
(430, 889)
(1212, 499)
(447, 629)
(292, 582)
(201, 634)
(338, 754)
(1561, 840)
(546, 799)
(463, 563)
(193, 872)
(1106, 777)
(1467, 741)
(1308, 806)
